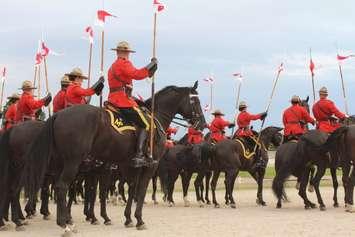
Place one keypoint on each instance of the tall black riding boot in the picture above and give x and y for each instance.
(140, 160)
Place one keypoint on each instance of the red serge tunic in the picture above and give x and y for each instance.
(27, 106)
(217, 128)
(75, 95)
(121, 74)
(291, 119)
(243, 121)
(59, 101)
(10, 116)
(194, 136)
(322, 111)
(170, 131)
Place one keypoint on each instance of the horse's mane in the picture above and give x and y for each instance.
(164, 91)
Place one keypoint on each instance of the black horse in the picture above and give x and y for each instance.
(13, 147)
(297, 158)
(229, 157)
(83, 130)
(184, 160)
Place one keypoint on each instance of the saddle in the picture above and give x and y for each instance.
(120, 124)
(248, 145)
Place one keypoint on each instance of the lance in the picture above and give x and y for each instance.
(239, 77)
(2, 87)
(35, 76)
(151, 145)
(343, 87)
(102, 59)
(311, 67)
(280, 69)
(39, 81)
(47, 86)
(90, 63)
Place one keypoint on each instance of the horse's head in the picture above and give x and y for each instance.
(272, 135)
(190, 107)
(304, 103)
(174, 100)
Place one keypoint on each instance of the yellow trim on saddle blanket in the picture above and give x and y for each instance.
(117, 124)
(248, 154)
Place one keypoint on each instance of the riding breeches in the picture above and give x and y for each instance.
(136, 116)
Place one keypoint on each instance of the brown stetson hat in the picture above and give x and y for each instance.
(217, 112)
(14, 96)
(124, 47)
(76, 72)
(27, 85)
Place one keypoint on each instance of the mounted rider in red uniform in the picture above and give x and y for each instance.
(194, 136)
(120, 75)
(295, 119)
(75, 94)
(244, 118)
(10, 111)
(59, 99)
(169, 141)
(218, 125)
(27, 105)
(324, 110)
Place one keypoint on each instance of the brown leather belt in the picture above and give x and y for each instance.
(116, 89)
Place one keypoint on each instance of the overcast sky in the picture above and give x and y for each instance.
(195, 38)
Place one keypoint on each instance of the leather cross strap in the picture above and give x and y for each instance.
(116, 89)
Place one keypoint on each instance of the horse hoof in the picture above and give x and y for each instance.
(233, 205)
(46, 217)
(73, 228)
(349, 208)
(4, 228)
(313, 206)
(311, 188)
(201, 204)
(29, 217)
(129, 224)
(186, 202)
(322, 208)
(217, 205)
(20, 228)
(95, 222)
(87, 219)
(208, 202)
(24, 222)
(336, 205)
(307, 207)
(108, 222)
(278, 206)
(141, 227)
(171, 204)
(67, 233)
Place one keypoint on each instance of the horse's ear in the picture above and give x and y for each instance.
(307, 99)
(195, 85)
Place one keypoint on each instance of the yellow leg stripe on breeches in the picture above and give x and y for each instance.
(141, 115)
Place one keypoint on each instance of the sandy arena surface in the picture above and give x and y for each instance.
(247, 220)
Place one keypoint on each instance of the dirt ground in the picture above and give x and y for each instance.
(247, 219)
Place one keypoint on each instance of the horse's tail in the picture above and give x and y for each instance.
(4, 163)
(284, 170)
(38, 157)
(163, 173)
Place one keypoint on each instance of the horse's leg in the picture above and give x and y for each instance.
(197, 184)
(201, 190)
(127, 212)
(316, 180)
(171, 183)
(213, 187)
(66, 178)
(333, 171)
(93, 193)
(226, 197)
(350, 188)
(185, 186)
(311, 178)
(142, 185)
(120, 187)
(260, 181)
(346, 167)
(71, 195)
(232, 175)
(154, 183)
(86, 197)
(104, 186)
(302, 191)
(45, 198)
(207, 185)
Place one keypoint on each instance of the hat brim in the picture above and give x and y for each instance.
(218, 114)
(10, 97)
(27, 88)
(69, 74)
(123, 50)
